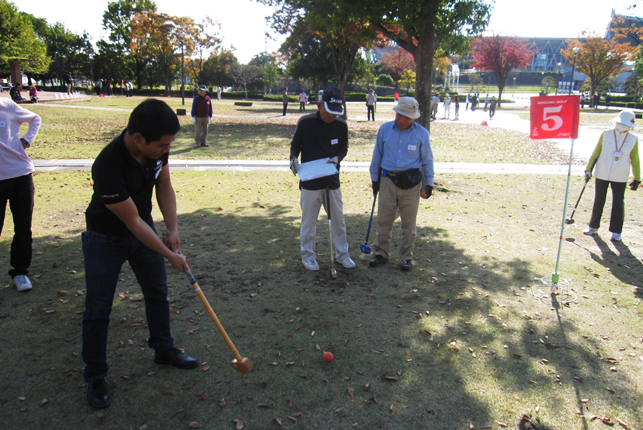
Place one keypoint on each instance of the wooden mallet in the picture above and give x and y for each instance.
(242, 365)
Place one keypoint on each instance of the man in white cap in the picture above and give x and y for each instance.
(401, 171)
(616, 151)
(322, 135)
(201, 116)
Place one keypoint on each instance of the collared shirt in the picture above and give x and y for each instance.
(398, 150)
(315, 139)
(118, 176)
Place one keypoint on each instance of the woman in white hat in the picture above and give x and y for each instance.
(616, 151)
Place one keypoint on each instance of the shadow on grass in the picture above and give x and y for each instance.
(457, 342)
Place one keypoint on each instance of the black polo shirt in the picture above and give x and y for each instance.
(316, 139)
(118, 176)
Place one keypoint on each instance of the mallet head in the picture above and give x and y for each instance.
(243, 366)
(333, 274)
(569, 221)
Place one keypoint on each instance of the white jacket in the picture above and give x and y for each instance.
(608, 168)
(14, 161)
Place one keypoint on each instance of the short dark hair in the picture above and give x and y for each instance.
(153, 118)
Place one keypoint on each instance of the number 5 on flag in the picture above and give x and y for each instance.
(554, 117)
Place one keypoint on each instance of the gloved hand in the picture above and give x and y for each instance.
(376, 188)
(635, 185)
(588, 176)
(335, 161)
(427, 192)
(294, 165)
(193, 119)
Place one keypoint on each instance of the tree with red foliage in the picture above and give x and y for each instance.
(501, 55)
(396, 61)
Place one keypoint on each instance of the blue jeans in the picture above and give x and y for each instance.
(19, 192)
(104, 257)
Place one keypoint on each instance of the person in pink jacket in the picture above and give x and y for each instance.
(16, 185)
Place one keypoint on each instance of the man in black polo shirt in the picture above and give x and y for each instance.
(120, 228)
(322, 135)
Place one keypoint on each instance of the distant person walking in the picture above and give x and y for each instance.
(466, 107)
(201, 116)
(371, 101)
(303, 99)
(69, 80)
(456, 101)
(447, 106)
(285, 101)
(16, 185)
(219, 92)
(492, 107)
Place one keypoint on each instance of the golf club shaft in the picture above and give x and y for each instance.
(578, 201)
(205, 302)
(368, 232)
(330, 230)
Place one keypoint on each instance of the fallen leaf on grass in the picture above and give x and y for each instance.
(239, 424)
(277, 421)
(263, 406)
(390, 378)
(623, 424)
(195, 425)
(551, 346)
(351, 392)
(43, 402)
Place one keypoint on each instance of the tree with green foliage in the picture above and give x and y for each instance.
(161, 37)
(309, 59)
(68, 51)
(206, 41)
(424, 28)
(407, 80)
(385, 80)
(267, 64)
(117, 20)
(20, 47)
(217, 69)
(548, 84)
(339, 23)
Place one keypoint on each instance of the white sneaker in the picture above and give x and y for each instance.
(616, 237)
(590, 231)
(22, 283)
(311, 264)
(347, 262)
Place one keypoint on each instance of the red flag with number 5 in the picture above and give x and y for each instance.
(554, 117)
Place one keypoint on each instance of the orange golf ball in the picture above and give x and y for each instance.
(328, 357)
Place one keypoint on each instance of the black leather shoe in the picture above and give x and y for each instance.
(98, 394)
(176, 358)
(406, 266)
(378, 260)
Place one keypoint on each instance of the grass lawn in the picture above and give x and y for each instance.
(459, 343)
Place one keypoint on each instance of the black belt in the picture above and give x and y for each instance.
(397, 173)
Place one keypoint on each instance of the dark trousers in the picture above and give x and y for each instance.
(618, 205)
(370, 112)
(285, 107)
(19, 192)
(302, 106)
(104, 257)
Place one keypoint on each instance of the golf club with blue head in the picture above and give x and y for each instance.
(364, 246)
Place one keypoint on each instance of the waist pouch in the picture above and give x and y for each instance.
(408, 179)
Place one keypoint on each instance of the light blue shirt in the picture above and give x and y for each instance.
(398, 150)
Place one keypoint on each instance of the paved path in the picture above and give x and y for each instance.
(347, 166)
